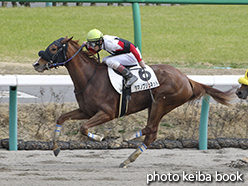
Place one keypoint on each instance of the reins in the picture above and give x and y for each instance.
(88, 81)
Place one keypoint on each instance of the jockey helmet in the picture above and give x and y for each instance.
(94, 35)
(94, 38)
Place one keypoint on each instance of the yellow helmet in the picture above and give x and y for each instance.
(94, 35)
(244, 80)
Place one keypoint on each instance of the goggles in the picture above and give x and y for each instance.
(93, 44)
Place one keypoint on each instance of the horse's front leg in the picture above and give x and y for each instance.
(75, 114)
(99, 118)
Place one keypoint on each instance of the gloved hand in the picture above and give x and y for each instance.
(85, 43)
(142, 64)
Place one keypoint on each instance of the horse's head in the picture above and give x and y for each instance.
(53, 55)
(242, 92)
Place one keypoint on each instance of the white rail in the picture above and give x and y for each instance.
(43, 80)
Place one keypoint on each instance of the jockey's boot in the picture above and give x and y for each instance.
(128, 75)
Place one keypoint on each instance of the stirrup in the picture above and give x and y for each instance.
(130, 81)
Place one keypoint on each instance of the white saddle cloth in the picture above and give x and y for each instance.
(141, 84)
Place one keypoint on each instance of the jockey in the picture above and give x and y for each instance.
(123, 53)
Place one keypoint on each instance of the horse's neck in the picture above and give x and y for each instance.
(80, 67)
(80, 72)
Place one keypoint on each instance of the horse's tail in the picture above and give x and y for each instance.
(222, 97)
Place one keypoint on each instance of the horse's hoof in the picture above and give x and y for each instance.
(56, 152)
(122, 165)
(101, 137)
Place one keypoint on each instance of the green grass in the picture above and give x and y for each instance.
(198, 36)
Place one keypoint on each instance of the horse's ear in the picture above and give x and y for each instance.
(66, 40)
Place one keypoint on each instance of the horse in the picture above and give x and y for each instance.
(242, 91)
(98, 101)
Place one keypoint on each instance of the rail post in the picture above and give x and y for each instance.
(13, 118)
(203, 130)
(49, 4)
(137, 25)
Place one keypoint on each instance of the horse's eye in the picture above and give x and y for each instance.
(54, 49)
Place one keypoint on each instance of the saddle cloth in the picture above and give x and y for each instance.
(140, 85)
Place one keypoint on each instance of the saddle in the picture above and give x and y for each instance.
(118, 82)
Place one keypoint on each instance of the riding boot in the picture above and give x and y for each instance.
(128, 75)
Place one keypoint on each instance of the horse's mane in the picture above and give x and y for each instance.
(88, 56)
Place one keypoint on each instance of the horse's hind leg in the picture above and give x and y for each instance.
(139, 150)
(75, 114)
(154, 116)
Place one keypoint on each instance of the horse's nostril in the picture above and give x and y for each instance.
(36, 64)
(239, 94)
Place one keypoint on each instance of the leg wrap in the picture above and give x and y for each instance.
(133, 156)
(137, 152)
(133, 135)
(56, 133)
(95, 137)
(56, 148)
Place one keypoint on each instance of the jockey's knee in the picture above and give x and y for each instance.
(112, 63)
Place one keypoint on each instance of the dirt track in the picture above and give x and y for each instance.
(101, 167)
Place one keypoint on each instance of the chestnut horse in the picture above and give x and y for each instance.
(99, 102)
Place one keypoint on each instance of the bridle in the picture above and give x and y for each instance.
(52, 63)
(63, 49)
